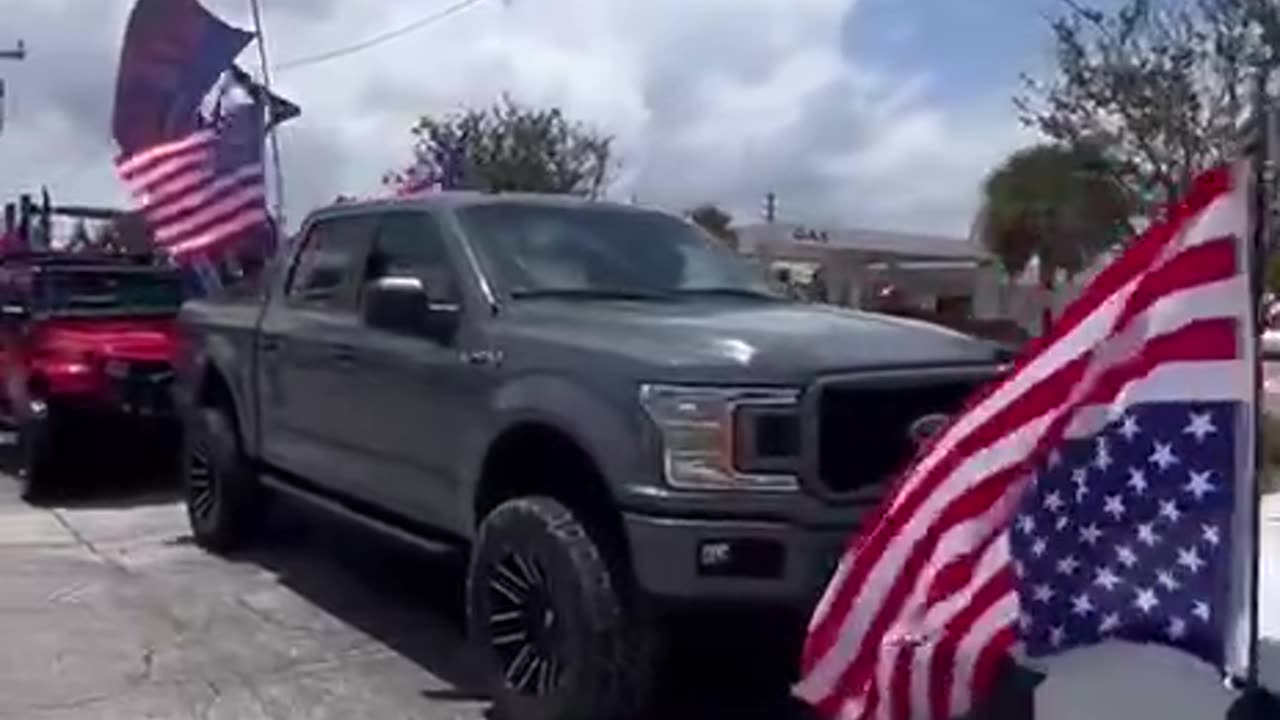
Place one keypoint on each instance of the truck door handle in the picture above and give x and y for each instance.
(269, 343)
(343, 354)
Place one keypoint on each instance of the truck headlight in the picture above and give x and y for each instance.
(698, 433)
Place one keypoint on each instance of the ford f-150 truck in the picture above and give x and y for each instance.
(612, 413)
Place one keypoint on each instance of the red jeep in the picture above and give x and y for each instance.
(86, 350)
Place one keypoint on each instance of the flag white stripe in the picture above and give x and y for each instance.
(208, 192)
(170, 233)
(1222, 380)
(243, 221)
(145, 179)
(129, 165)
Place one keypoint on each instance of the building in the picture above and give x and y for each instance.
(870, 268)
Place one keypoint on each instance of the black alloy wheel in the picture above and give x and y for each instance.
(223, 496)
(202, 491)
(547, 609)
(526, 633)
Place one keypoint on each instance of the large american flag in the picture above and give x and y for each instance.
(203, 189)
(1086, 495)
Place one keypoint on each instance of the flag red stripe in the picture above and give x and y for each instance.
(1199, 265)
(131, 166)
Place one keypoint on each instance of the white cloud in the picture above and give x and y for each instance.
(718, 100)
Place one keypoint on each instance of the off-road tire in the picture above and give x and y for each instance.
(41, 453)
(225, 500)
(607, 648)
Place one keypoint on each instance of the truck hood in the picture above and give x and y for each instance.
(124, 339)
(766, 341)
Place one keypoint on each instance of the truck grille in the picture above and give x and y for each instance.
(864, 430)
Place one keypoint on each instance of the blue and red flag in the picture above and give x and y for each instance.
(174, 51)
(190, 126)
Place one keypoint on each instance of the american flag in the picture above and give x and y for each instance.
(1086, 495)
(203, 189)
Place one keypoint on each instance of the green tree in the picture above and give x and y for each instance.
(508, 147)
(717, 222)
(1058, 203)
(1162, 83)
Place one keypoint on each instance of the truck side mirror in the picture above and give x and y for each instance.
(403, 305)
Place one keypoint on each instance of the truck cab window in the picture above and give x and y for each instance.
(325, 266)
(410, 244)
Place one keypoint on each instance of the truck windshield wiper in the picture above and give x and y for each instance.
(589, 294)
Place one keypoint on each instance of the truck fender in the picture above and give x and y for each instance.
(602, 430)
(218, 356)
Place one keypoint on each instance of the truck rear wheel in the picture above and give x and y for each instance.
(223, 497)
(544, 606)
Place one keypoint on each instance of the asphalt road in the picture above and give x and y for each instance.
(107, 610)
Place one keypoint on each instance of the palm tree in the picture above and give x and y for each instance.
(1059, 204)
(717, 222)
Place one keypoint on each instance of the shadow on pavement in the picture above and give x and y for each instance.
(412, 602)
(107, 478)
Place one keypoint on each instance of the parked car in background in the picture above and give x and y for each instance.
(1271, 333)
(86, 354)
(609, 411)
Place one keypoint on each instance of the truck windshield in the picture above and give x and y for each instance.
(107, 292)
(605, 253)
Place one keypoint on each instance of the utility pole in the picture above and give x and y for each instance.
(770, 206)
(18, 53)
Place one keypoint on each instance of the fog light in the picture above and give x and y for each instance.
(715, 554)
(741, 557)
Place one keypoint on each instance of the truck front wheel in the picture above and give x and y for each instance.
(223, 497)
(544, 606)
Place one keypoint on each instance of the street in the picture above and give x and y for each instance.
(108, 611)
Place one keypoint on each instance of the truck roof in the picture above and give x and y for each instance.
(466, 198)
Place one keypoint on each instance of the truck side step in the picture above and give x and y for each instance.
(343, 509)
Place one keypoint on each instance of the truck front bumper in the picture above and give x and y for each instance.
(770, 563)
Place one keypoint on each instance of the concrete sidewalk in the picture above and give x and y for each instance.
(111, 613)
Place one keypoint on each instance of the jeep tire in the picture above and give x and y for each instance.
(546, 610)
(223, 496)
(39, 443)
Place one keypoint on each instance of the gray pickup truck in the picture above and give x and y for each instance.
(612, 413)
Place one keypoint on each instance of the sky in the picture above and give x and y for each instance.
(882, 114)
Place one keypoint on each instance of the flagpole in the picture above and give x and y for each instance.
(274, 139)
(1262, 147)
